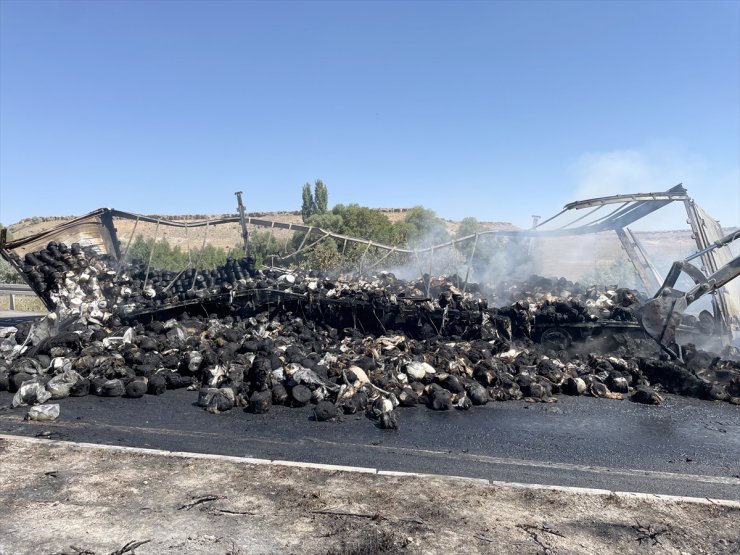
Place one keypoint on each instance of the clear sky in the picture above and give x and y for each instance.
(495, 110)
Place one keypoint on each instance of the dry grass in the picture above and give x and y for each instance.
(57, 494)
(22, 303)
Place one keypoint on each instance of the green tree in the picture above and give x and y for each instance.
(7, 272)
(618, 273)
(315, 202)
(324, 256)
(468, 226)
(263, 246)
(364, 223)
(353, 221)
(327, 221)
(167, 257)
(320, 197)
(422, 228)
(308, 207)
(330, 221)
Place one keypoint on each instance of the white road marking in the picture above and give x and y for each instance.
(550, 465)
(388, 473)
(487, 459)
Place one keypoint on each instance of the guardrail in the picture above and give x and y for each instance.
(13, 289)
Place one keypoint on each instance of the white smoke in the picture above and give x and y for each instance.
(654, 168)
(658, 167)
(493, 260)
(442, 261)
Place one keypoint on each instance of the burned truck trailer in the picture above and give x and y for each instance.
(713, 249)
(156, 291)
(253, 337)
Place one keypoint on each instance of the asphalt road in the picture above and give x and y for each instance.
(13, 317)
(684, 447)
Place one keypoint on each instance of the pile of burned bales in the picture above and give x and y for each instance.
(564, 301)
(345, 345)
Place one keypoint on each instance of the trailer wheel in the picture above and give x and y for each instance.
(557, 339)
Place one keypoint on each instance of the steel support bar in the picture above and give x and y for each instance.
(674, 193)
(709, 263)
(645, 271)
(243, 222)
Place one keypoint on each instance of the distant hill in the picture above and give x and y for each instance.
(227, 236)
(570, 257)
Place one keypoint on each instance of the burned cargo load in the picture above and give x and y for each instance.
(245, 337)
(250, 339)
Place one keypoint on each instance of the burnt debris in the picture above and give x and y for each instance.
(250, 339)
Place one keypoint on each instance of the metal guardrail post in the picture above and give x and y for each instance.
(13, 289)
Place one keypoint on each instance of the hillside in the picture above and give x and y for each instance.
(228, 235)
(573, 257)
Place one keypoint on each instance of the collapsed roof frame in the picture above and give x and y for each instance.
(706, 232)
(632, 207)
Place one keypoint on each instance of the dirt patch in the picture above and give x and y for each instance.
(62, 498)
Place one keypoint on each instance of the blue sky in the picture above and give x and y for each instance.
(489, 109)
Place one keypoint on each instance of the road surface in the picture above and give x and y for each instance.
(684, 447)
(13, 317)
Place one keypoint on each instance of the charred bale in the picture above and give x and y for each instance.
(260, 401)
(674, 378)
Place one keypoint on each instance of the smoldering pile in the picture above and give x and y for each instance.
(79, 282)
(83, 284)
(614, 303)
(344, 345)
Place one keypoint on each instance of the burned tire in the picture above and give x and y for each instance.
(557, 339)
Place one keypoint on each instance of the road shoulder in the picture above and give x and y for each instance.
(61, 497)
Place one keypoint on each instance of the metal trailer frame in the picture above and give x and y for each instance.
(95, 230)
(636, 206)
(630, 208)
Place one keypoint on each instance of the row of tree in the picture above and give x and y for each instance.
(419, 228)
(263, 246)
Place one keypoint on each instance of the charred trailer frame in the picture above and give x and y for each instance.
(94, 231)
(97, 231)
(706, 232)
